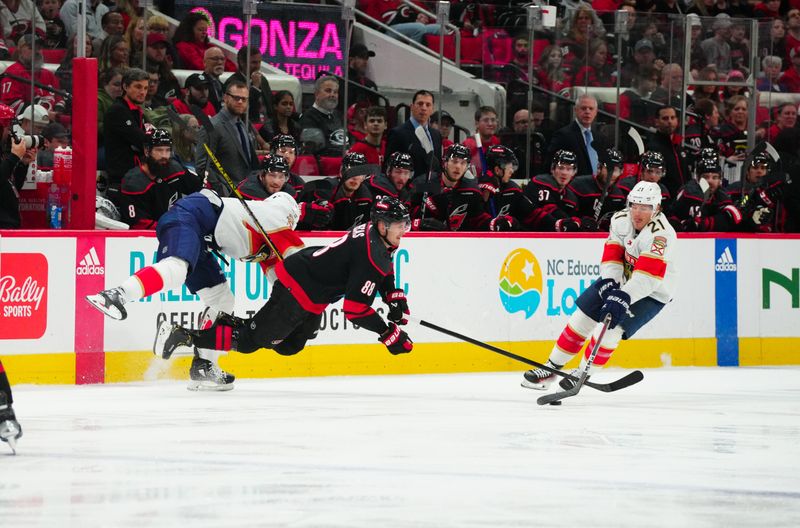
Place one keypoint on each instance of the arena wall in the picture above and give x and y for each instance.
(737, 302)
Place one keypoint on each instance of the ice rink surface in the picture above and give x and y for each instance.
(684, 448)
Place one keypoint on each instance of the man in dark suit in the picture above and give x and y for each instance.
(416, 137)
(231, 142)
(580, 136)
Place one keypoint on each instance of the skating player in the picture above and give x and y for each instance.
(637, 277)
(184, 257)
(354, 267)
(10, 430)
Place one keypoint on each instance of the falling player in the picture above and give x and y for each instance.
(10, 430)
(185, 258)
(637, 276)
(354, 267)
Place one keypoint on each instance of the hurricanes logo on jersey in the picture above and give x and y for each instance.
(521, 282)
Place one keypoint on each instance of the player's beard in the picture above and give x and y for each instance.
(158, 168)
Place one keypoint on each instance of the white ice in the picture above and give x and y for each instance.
(684, 448)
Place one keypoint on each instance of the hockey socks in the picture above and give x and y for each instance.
(165, 274)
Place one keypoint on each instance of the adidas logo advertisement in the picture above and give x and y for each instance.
(90, 264)
(725, 261)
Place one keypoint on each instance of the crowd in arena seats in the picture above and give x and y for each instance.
(551, 168)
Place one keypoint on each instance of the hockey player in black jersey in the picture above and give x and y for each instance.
(147, 191)
(451, 197)
(757, 195)
(702, 205)
(397, 180)
(285, 146)
(551, 194)
(350, 198)
(651, 169)
(597, 195)
(274, 177)
(354, 267)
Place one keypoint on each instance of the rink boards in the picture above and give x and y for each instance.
(737, 302)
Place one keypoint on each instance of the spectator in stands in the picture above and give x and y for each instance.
(184, 140)
(643, 55)
(740, 45)
(154, 99)
(32, 120)
(785, 117)
(114, 53)
(671, 90)
(55, 136)
(373, 145)
(516, 139)
(55, 36)
(581, 136)
(717, 48)
(195, 101)
(64, 71)
(699, 133)
(358, 61)
(730, 91)
(110, 89)
(633, 102)
(129, 10)
(697, 57)
(444, 125)
(134, 34)
(768, 9)
(16, 18)
(111, 23)
(485, 129)
(13, 170)
(95, 10)
(670, 7)
(772, 41)
(792, 36)
(790, 80)
(769, 81)
(324, 116)
(17, 91)
(357, 121)
(667, 141)
(284, 118)
(191, 40)
(581, 28)
(707, 91)
(402, 18)
(231, 142)
(703, 8)
(417, 137)
(124, 129)
(550, 71)
(213, 67)
(598, 72)
(731, 136)
(168, 87)
(260, 91)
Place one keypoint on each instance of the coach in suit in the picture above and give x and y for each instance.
(417, 137)
(580, 136)
(230, 140)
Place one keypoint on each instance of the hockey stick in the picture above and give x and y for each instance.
(626, 381)
(236, 193)
(557, 396)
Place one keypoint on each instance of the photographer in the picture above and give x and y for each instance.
(13, 168)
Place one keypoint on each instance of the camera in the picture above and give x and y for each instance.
(32, 141)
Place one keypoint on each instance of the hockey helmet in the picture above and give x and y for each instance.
(567, 157)
(283, 140)
(500, 156)
(7, 115)
(709, 153)
(645, 193)
(458, 151)
(708, 165)
(389, 210)
(275, 163)
(159, 138)
(610, 158)
(651, 160)
(285, 205)
(401, 160)
(353, 159)
(760, 159)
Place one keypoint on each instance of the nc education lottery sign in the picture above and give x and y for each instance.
(300, 39)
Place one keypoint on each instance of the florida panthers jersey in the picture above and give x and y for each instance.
(642, 262)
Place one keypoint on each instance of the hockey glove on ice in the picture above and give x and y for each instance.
(396, 340)
(617, 304)
(504, 223)
(606, 286)
(398, 306)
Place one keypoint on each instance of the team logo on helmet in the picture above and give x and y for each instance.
(500, 156)
(760, 159)
(610, 158)
(401, 160)
(458, 151)
(389, 210)
(652, 160)
(283, 140)
(275, 163)
(566, 157)
(708, 165)
(159, 138)
(353, 159)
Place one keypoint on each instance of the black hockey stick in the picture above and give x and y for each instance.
(626, 381)
(557, 396)
(237, 194)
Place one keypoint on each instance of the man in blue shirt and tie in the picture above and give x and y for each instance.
(580, 136)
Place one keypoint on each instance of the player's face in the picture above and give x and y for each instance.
(353, 183)
(714, 180)
(507, 172)
(273, 181)
(641, 215)
(756, 173)
(395, 231)
(563, 173)
(287, 153)
(652, 174)
(399, 177)
(161, 155)
(455, 167)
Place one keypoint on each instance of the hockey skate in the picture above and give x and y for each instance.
(540, 379)
(10, 430)
(172, 340)
(110, 302)
(206, 376)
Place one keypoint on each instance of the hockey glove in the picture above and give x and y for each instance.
(489, 188)
(566, 225)
(762, 216)
(606, 286)
(428, 224)
(617, 304)
(398, 306)
(396, 340)
(504, 223)
(316, 214)
(589, 224)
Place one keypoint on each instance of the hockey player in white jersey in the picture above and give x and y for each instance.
(185, 257)
(637, 278)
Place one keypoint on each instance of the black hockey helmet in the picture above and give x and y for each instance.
(456, 150)
(353, 159)
(283, 140)
(709, 153)
(500, 156)
(706, 165)
(610, 158)
(760, 159)
(651, 160)
(275, 163)
(389, 210)
(401, 160)
(159, 138)
(564, 156)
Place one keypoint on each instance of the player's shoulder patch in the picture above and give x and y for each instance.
(658, 245)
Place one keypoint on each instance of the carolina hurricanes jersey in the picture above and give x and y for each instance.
(642, 262)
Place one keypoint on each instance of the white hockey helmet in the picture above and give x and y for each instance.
(645, 193)
(287, 204)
